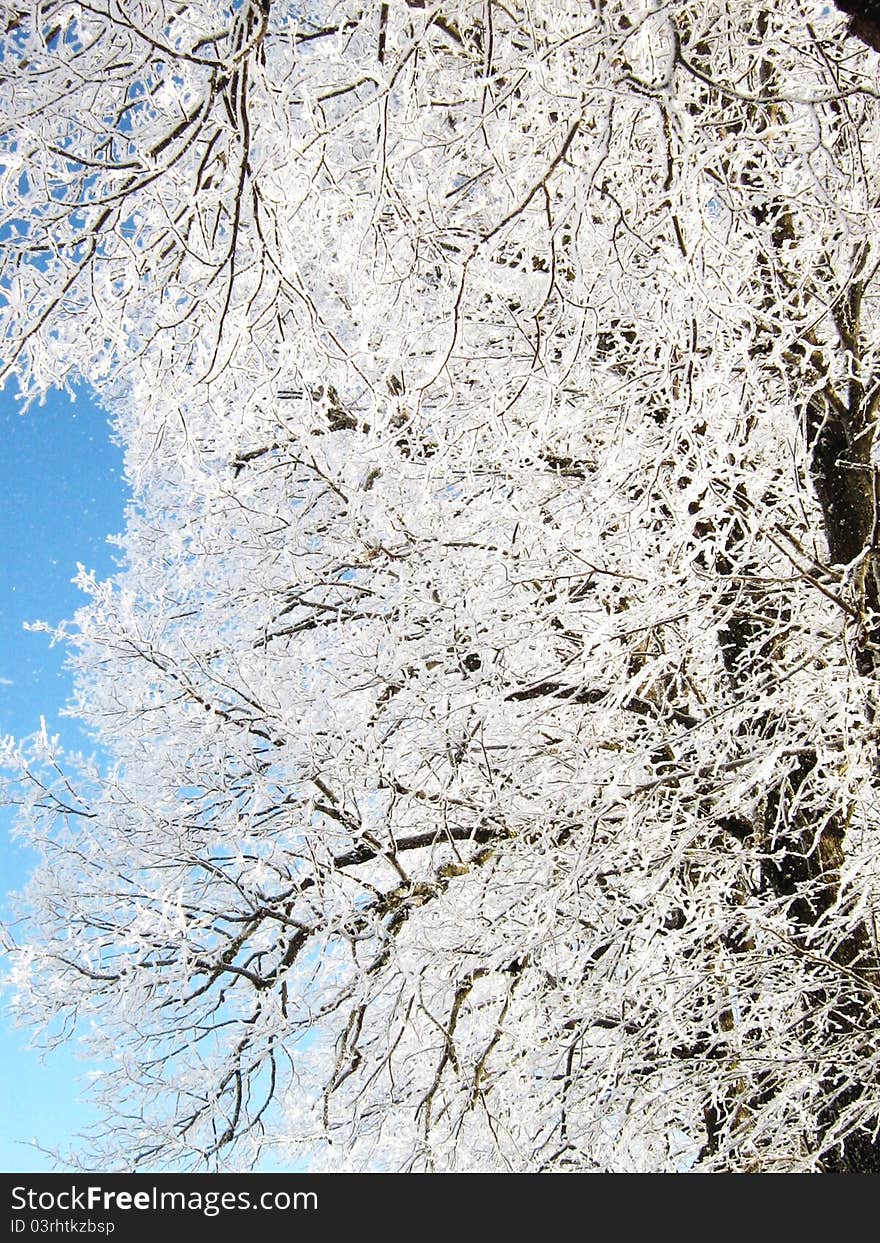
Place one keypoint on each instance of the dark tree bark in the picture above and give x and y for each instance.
(864, 20)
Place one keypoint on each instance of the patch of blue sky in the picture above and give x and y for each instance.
(63, 493)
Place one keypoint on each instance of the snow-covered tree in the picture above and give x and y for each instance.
(490, 685)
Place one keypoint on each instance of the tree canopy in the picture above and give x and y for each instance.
(490, 683)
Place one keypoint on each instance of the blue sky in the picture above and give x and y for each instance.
(62, 493)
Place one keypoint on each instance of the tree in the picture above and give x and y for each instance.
(863, 21)
(491, 680)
